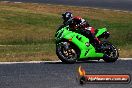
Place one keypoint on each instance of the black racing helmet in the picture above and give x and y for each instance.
(66, 16)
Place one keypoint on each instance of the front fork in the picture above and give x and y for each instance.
(66, 45)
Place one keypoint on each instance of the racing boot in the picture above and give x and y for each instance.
(98, 45)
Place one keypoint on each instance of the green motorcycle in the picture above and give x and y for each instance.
(72, 47)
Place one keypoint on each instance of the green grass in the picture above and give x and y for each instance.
(27, 52)
(29, 29)
(26, 27)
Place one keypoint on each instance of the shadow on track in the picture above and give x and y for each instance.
(88, 61)
(79, 62)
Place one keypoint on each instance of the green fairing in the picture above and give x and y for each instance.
(80, 41)
(100, 31)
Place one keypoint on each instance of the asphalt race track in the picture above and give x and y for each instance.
(107, 4)
(59, 75)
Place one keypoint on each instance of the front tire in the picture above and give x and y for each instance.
(67, 52)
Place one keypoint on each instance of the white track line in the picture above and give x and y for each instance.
(18, 2)
(125, 58)
(5, 1)
(29, 62)
(26, 62)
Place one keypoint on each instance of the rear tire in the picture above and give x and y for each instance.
(111, 55)
(64, 55)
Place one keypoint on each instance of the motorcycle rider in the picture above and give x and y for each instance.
(85, 29)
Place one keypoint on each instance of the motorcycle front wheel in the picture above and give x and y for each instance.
(67, 52)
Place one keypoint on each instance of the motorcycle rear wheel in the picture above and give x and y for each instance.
(111, 54)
